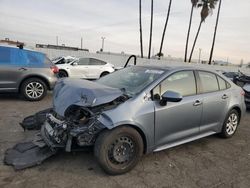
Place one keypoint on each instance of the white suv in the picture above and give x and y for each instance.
(88, 68)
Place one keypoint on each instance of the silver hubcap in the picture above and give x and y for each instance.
(34, 90)
(232, 124)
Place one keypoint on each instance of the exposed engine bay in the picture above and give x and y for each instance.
(74, 128)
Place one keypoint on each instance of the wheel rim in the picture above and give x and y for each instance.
(34, 90)
(232, 124)
(121, 151)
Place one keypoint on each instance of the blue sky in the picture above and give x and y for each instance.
(34, 21)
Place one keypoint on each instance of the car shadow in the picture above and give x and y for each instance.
(10, 96)
(17, 96)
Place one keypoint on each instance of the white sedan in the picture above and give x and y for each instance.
(88, 68)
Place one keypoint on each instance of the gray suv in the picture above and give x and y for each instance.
(27, 72)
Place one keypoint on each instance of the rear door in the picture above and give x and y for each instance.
(81, 69)
(96, 67)
(215, 97)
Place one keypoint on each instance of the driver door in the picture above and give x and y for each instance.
(177, 121)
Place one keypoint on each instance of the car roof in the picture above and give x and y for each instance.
(15, 47)
(175, 67)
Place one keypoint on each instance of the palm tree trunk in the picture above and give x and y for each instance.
(151, 28)
(189, 28)
(141, 44)
(197, 34)
(164, 30)
(215, 31)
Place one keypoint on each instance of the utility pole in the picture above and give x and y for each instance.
(200, 55)
(103, 38)
(81, 43)
(57, 40)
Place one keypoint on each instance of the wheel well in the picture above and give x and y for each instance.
(238, 110)
(39, 77)
(104, 72)
(142, 135)
(64, 71)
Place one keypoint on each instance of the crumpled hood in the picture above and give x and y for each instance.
(81, 92)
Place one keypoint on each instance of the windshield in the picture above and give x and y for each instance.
(133, 79)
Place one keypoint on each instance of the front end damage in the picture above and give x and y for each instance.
(72, 129)
(72, 132)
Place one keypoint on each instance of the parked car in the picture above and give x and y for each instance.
(134, 111)
(27, 72)
(231, 75)
(63, 60)
(244, 81)
(88, 68)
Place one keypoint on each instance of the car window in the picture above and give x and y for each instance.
(83, 61)
(208, 81)
(182, 82)
(96, 62)
(222, 83)
(32, 58)
(132, 79)
(61, 61)
(4, 55)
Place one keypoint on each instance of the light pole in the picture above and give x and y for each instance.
(103, 38)
(57, 40)
(200, 55)
(81, 43)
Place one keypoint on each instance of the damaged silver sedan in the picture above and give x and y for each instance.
(130, 112)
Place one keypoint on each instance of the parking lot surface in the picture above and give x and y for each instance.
(208, 162)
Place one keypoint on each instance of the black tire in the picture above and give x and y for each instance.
(62, 74)
(231, 124)
(104, 74)
(27, 92)
(118, 151)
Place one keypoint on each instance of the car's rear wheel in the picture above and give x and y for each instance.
(33, 89)
(231, 124)
(119, 150)
(62, 74)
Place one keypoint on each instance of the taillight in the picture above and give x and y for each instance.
(54, 69)
(242, 93)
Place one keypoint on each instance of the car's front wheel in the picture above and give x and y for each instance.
(119, 150)
(231, 124)
(33, 89)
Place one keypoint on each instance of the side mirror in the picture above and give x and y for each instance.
(74, 64)
(170, 96)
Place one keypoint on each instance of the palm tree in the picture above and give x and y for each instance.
(215, 31)
(164, 30)
(194, 4)
(151, 28)
(140, 25)
(207, 6)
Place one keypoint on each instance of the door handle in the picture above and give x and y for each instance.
(224, 96)
(197, 103)
(22, 69)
